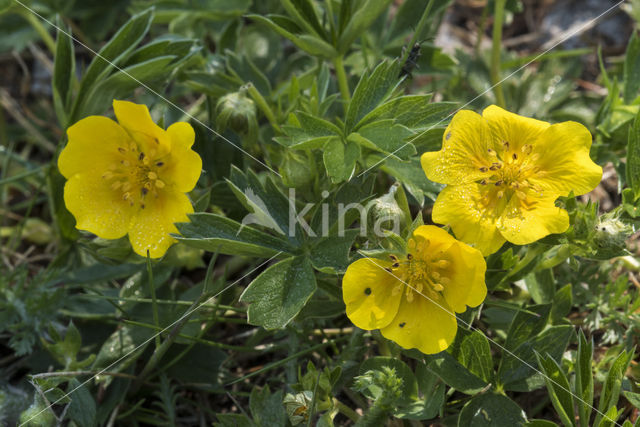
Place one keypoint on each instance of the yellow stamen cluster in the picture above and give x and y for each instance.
(135, 174)
(509, 171)
(423, 271)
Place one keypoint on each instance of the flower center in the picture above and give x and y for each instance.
(424, 272)
(509, 172)
(135, 174)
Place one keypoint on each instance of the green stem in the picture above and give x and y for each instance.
(346, 411)
(263, 105)
(495, 53)
(418, 31)
(341, 75)
(35, 22)
(481, 28)
(154, 304)
(563, 253)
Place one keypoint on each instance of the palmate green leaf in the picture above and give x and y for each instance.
(310, 44)
(454, 374)
(277, 295)
(410, 174)
(114, 52)
(412, 111)
(340, 159)
(311, 132)
(266, 407)
(491, 410)
(63, 74)
(218, 234)
(361, 19)
(516, 371)
(373, 89)
(558, 388)
(331, 254)
(632, 167)
(632, 69)
(386, 137)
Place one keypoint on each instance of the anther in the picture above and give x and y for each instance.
(122, 150)
(499, 183)
(141, 156)
(144, 191)
(126, 196)
(505, 144)
(409, 257)
(443, 263)
(142, 205)
(527, 148)
(521, 195)
(500, 194)
(495, 166)
(159, 164)
(152, 175)
(388, 269)
(393, 257)
(159, 184)
(483, 169)
(491, 152)
(514, 156)
(483, 182)
(438, 287)
(396, 265)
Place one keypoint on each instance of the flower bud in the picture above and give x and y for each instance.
(237, 112)
(383, 214)
(610, 235)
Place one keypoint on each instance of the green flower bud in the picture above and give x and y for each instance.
(610, 235)
(295, 170)
(383, 214)
(237, 112)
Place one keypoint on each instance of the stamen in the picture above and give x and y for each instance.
(521, 195)
(515, 156)
(499, 183)
(500, 194)
(395, 265)
(152, 175)
(122, 150)
(527, 148)
(483, 182)
(126, 196)
(141, 156)
(505, 144)
(159, 184)
(492, 152)
(483, 169)
(438, 287)
(159, 164)
(144, 191)
(495, 166)
(443, 263)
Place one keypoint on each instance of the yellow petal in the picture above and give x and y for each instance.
(183, 166)
(137, 121)
(524, 222)
(428, 325)
(368, 292)
(96, 207)
(461, 207)
(564, 161)
(150, 227)
(93, 145)
(465, 146)
(466, 272)
(512, 128)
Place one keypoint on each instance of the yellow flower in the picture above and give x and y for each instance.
(413, 300)
(130, 177)
(504, 173)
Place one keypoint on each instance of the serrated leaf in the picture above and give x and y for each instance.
(266, 407)
(491, 410)
(409, 383)
(613, 384)
(218, 234)
(277, 295)
(412, 111)
(474, 353)
(372, 90)
(340, 159)
(386, 137)
(410, 174)
(331, 254)
(313, 132)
